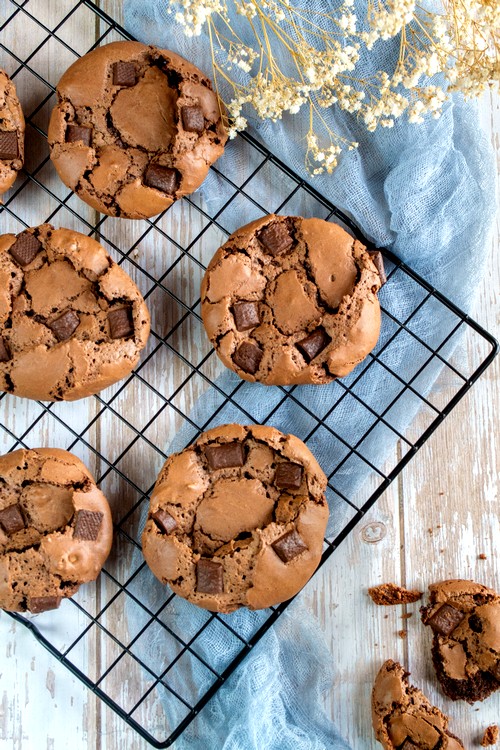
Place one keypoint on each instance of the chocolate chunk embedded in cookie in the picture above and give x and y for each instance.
(72, 321)
(55, 528)
(11, 133)
(290, 300)
(134, 129)
(465, 619)
(224, 531)
(403, 718)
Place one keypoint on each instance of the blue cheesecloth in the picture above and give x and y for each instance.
(428, 193)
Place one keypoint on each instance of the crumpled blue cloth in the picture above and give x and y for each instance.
(427, 192)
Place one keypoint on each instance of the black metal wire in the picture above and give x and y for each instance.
(109, 405)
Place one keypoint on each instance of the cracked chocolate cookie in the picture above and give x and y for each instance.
(55, 528)
(237, 519)
(134, 129)
(403, 718)
(465, 619)
(72, 321)
(290, 300)
(11, 133)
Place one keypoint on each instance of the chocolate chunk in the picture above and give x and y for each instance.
(65, 325)
(224, 456)
(408, 745)
(313, 344)
(445, 619)
(88, 523)
(12, 519)
(8, 145)
(76, 133)
(192, 119)
(246, 315)
(4, 351)
(39, 604)
(209, 576)
(288, 475)
(276, 238)
(164, 521)
(161, 178)
(289, 545)
(25, 248)
(247, 357)
(495, 671)
(120, 323)
(124, 73)
(378, 261)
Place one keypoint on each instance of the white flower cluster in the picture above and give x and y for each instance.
(322, 68)
(270, 98)
(194, 14)
(454, 46)
(242, 56)
(388, 17)
(476, 45)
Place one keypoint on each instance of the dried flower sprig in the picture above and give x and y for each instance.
(277, 58)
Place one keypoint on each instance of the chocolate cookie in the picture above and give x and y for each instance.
(403, 718)
(11, 133)
(71, 320)
(290, 300)
(55, 528)
(237, 519)
(465, 619)
(134, 129)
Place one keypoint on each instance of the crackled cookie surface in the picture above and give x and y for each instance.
(290, 300)
(403, 718)
(11, 133)
(71, 320)
(134, 129)
(465, 619)
(55, 528)
(237, 518)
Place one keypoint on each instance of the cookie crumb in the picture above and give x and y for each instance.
(403, 633)
(407, 615)
(490, 736)
(482, 556)
(389, 593)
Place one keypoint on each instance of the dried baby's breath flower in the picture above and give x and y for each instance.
(278, 58)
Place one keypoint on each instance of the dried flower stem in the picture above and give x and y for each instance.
(295, 56)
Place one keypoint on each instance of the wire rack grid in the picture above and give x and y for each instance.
(121, 433)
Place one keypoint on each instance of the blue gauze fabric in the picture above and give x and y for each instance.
(427, 192)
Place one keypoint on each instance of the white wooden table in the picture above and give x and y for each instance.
(436, 520)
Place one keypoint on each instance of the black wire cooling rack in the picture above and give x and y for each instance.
(120, 433)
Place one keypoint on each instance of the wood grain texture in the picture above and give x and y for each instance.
(432, 523)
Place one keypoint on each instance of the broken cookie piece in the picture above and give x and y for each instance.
(288, 300)
(403, 718)
(490, 736)
(237, 519)
(56, 535)
(464, 617)
(389, 593)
